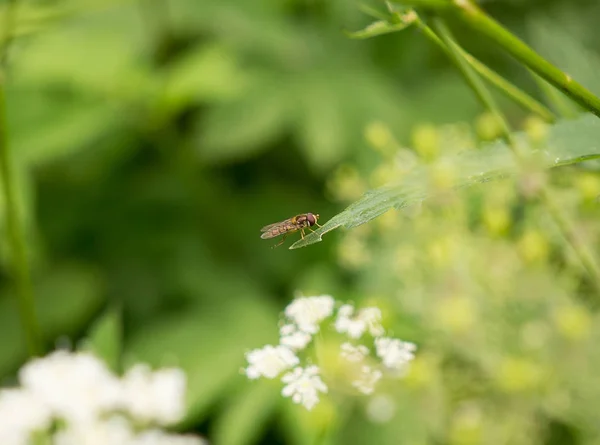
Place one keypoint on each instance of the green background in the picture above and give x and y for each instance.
(153, 139)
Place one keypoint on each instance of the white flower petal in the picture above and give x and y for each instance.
(154, 397)
(308, 312)
(159, 437)
(355, 326)
(304, 386)
(270, 361)
(394, 353)
(354, 353)
(21, 413)
(296, 341)
(114, 430)
(367, 380)
(74, 386)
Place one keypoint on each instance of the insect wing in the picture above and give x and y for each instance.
(279, 228)
(270, 226)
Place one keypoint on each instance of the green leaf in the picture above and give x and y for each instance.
(60, 129)
(239, 129)
(65, 300)
(322, 125)
(207, 74)
(568, 142)
(211, 361)
(378, 28)
(245, 417)
(105, 338)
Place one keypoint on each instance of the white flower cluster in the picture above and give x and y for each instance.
(70, 398)
(304, 317)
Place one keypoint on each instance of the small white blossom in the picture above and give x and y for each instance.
(372, 318)
(114, 430)
(367, 319)
(367, 380)
(73, 386)
(308, 312)
(294, 338)
(118, 431)
(21, 413)
(394, 353)
(304, 385)
(79, 391)
(354, 353)
(270, 361)
(159, 437)
(154, 397)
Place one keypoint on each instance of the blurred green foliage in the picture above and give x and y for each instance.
(153, 138)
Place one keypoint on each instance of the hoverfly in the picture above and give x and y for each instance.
(290, 225)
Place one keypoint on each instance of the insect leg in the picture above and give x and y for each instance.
(302, 233)
(280, 242)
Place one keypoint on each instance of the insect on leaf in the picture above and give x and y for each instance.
(567, 142)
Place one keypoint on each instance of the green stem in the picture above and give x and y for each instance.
(581, 249)
(561, 103)
(474, 81)
(474, 17)
(15, 231)
(503, 85)
(480, 21)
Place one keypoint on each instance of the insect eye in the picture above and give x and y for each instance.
(311, 219)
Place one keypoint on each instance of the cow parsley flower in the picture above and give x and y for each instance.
(154, 397)
(394, 353)
(294, 338)
(364, 364)
(308, 312)
(160, 437)
(21, 413)
(304, 385)
(73, 386)
(118, 431)
(354, 353)
(114, 430)
(91, 405)
(367, 379)
(270, 361)
(367, 319)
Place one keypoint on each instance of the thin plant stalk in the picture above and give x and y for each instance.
(582, 251)
(503, 85)
(16, 237)
(473, 80)
(474, 17)
(561, 103)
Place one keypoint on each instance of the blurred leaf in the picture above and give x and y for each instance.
(373, 10)
(208, 342)
(378, 28)
(42, 130)
(65, 300)
(210, 73)
(238, 129)
(568, 142)
(105, 338)
(246, 415)
(89, 56)
(562, 48)
(323, 126)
